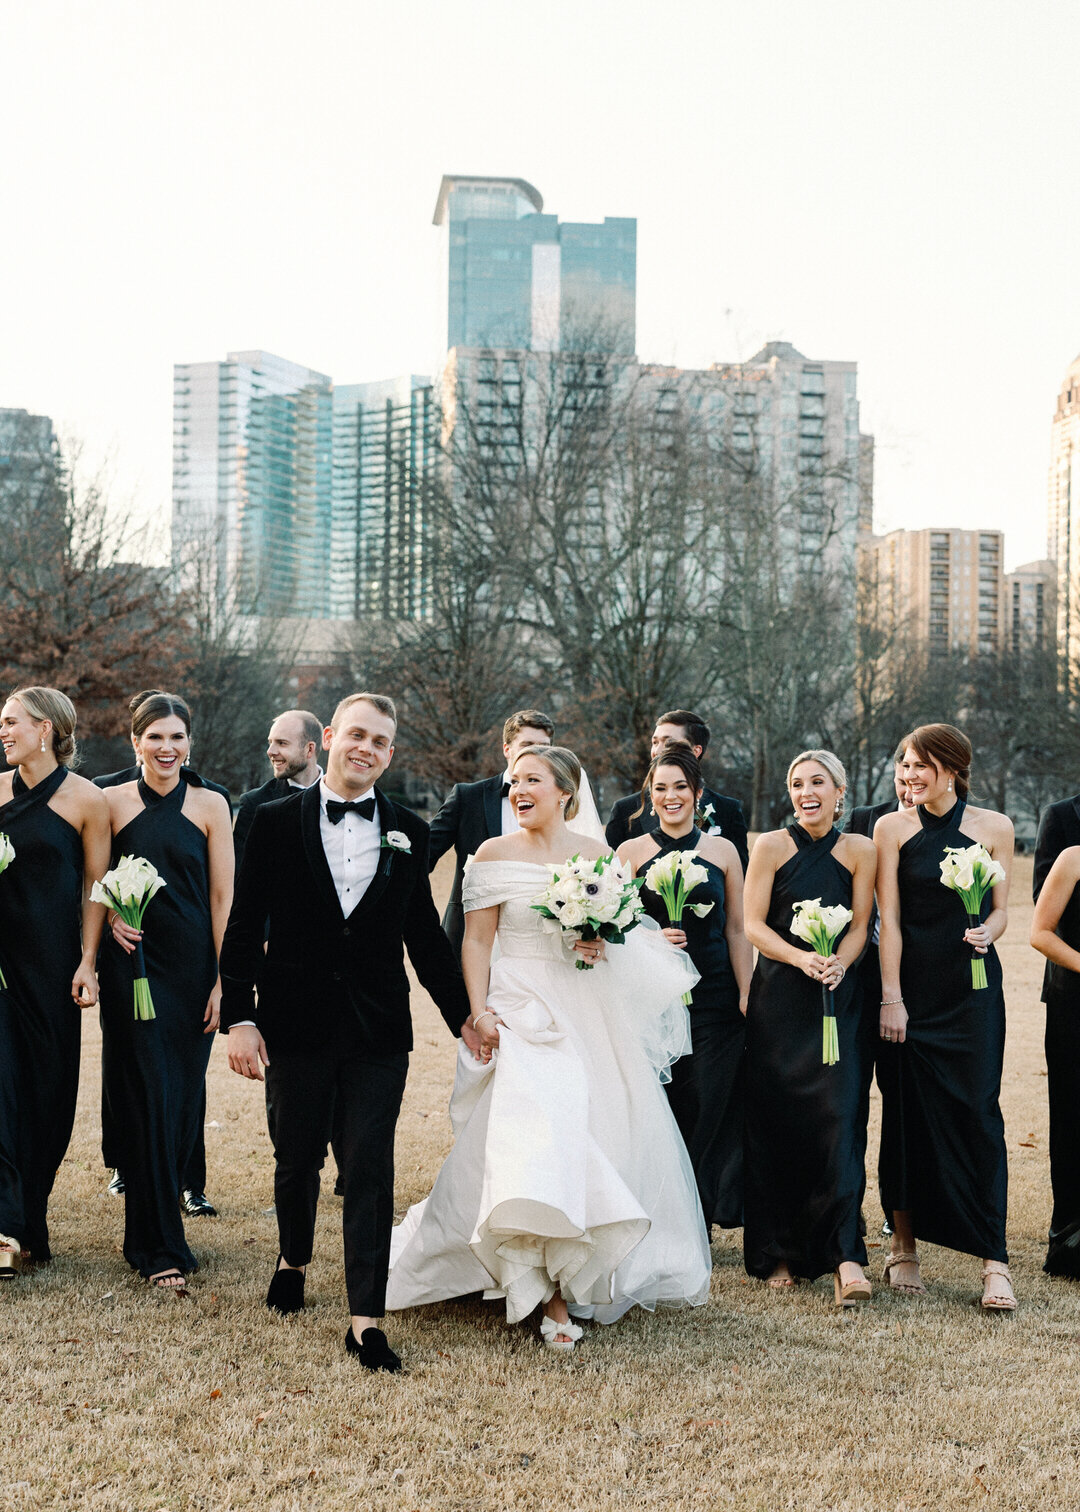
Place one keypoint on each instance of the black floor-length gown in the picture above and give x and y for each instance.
(805, 1139)
(40, 1024)
(706, 1087)
(942, 1134)
(1061, 994)
(156, 1068)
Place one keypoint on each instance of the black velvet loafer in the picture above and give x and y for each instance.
(286, 1291)
(373, 1352)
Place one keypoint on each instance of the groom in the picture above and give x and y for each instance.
(335, 880)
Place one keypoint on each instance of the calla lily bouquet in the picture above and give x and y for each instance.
(591, 900)
(971, 871)
(673, 878)
(821, 927)
(7, 856)
(128, 889)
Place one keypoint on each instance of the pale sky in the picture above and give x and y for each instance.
(893, 183)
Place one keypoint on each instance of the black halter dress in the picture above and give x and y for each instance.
(40, 1024)
(805, 1137)
(706, 1087)
(942, 1135)
(156, 1069)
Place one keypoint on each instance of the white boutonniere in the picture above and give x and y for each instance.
(396, 840)
(705, 818)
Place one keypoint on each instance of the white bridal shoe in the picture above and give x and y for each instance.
(549, 1328)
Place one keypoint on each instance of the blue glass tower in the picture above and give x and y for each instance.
(517, 278)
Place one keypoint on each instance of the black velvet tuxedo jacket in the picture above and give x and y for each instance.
(325, 980)
(132, 774)
(862, 820)
(727, 820)
(270, 792)
(471, 814)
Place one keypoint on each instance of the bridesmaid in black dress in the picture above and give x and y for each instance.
(706, 1087)
(1055, 933)
(942, 1170)
(58, 825)
(156, 1069)
(805, 1136)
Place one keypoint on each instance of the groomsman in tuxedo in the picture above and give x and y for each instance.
(721, 816)
(335, 881)
(477, 811)
(292, 749)
(193, 1199)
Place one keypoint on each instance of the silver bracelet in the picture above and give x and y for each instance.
(487, 1013)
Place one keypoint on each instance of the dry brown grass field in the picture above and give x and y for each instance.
(117, 1398)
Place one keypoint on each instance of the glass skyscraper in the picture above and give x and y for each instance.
(252, 481)
(516, 278)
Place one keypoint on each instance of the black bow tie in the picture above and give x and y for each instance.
(363, 807)
(506, 790)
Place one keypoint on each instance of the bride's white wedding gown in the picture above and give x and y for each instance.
(567, 1168)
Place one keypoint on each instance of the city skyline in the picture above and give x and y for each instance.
(885, 192)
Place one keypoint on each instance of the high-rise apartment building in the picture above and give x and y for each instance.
(516, 278)
(1031, 607)
(252, 480)
(947, 584)
(30, 476)
(1063, 522)
(385, 444)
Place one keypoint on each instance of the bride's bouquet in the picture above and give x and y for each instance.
(821, 927)
(128, 889)
(591, 900)
(971, 871)
(673, 878)
(7, 856)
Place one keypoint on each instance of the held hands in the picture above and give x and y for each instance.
(677, 937)
(979, 939)
(126, 937)
(247, 1049)
(212, 1016)
(84, 987)
(485, 1030)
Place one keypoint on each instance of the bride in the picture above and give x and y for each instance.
(568, 1184)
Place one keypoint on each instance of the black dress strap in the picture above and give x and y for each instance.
(151, 797)
(805, 840)
(24, 798)
(676, 842)
(951, 820)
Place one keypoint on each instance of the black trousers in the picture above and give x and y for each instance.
(1063, 1086)
(356, 1098)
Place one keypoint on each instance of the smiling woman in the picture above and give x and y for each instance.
(153, 1071)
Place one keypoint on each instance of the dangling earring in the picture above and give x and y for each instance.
(950, 784)
(43, 745)
(836, 810)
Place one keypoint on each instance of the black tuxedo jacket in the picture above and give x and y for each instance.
(325, 980)
(277, 787)
(132, 774)
(727, 820)
(471, 814)
(861, 821)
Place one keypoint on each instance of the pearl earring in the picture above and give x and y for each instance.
(950, 784)
(43, 745)
(836, 810)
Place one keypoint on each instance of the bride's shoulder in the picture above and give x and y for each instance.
(498, 848)
(590, 850)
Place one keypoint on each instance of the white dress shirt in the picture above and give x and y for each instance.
(352, 849)
(510, 826)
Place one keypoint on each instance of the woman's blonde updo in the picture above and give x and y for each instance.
(58, 709)
(565, 768)
(831, 763)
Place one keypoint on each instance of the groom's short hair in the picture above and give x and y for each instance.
(527, 719)
(697, 731)
(385, 706)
